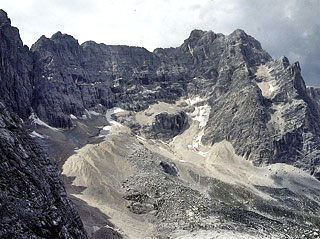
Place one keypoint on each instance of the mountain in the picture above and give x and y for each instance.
(241, 83)
(212, 139)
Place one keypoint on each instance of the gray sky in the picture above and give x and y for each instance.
(284, 27)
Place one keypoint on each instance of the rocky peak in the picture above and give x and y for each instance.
(194, 37)
(4, 20)
(58, 37)
(239, 33)
(59, 44)
(198, 38)
(284, 62)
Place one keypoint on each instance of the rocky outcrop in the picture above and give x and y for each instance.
(268, 125)
(33, 201)
(166, 126)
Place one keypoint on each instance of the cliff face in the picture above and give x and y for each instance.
(260, 105)
(70, 78)
(33, 201)
(15, 69)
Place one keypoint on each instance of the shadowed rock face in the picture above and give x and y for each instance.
(16, 67)
(33, 201)
(70, 78)
(166, 126)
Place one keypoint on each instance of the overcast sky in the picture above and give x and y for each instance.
(284, 27)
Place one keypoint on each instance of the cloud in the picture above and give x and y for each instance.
(290, 28)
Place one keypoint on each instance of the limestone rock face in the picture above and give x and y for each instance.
(71, 78)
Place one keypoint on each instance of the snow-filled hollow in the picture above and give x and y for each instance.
(36, 121)
(268, 83)
(201, 114)
(34, 134)
(112, 123)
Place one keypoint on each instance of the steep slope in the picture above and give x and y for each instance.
(33, 201)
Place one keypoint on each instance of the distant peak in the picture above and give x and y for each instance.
(196, 33)
(284, 61)
(65, 37)
(239, 32)
(89, 43)
(58, 34)
(4, 17)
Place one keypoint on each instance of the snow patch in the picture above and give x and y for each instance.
(95, 229)
(73, 117)
(34, 134)
(36, 121)
(92, 112)
(201, 114)
(267, 88)
(112, 123)
(196, 142)
(268, 85)
(203, 154)
(111, 112)
(194, 100)
(89, 113)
